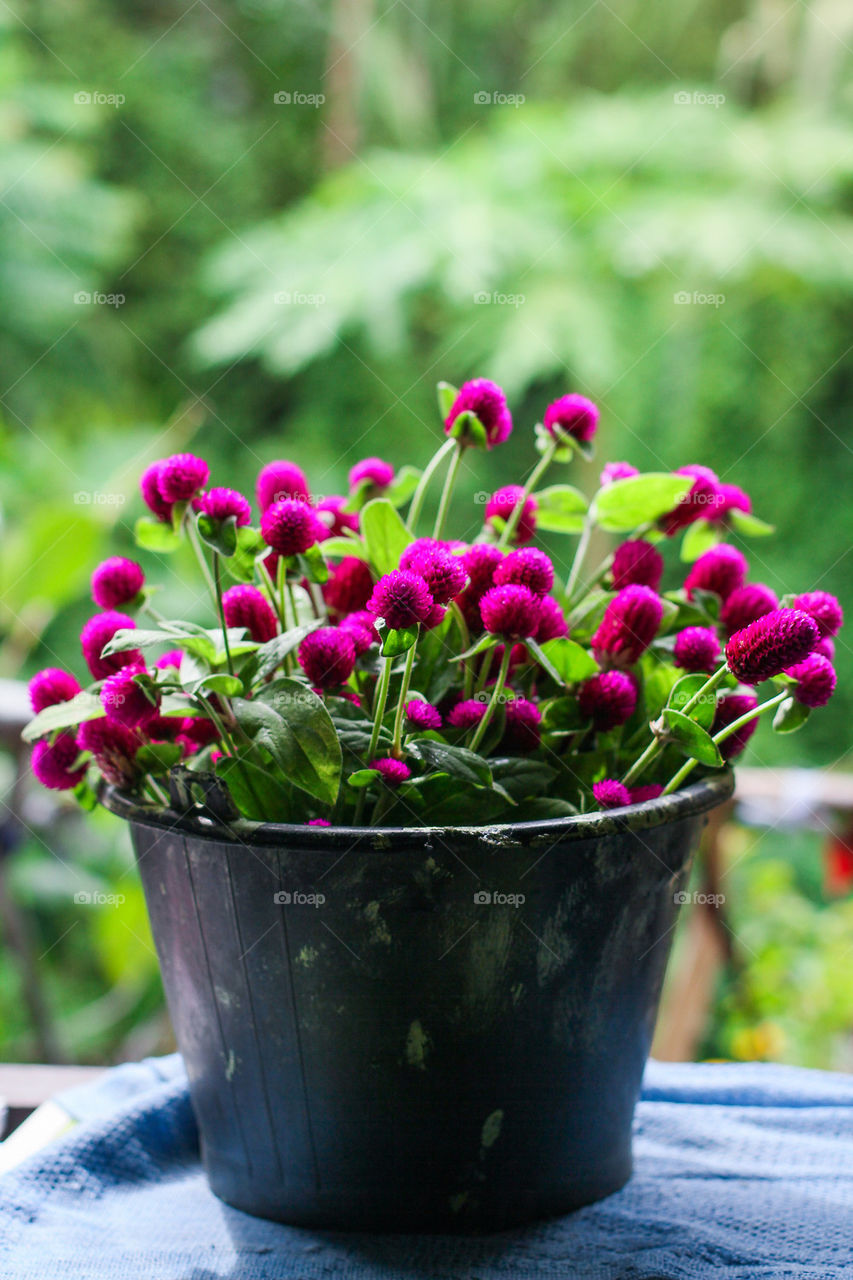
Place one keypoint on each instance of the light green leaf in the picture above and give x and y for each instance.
(624, 505)
(790, 716)
(746, 523)
(691, 738)
(385, 535)
(64, 715)
(685, 689)
(220, 535)
(562, 509)
(700, 537)
(404, 486)
(564, 660)
(290, 722)
(154, 535)
(447, 393)
(340, 547)
(396, 642)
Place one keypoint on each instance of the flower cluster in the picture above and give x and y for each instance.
(352, 668)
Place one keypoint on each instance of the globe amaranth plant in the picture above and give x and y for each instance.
(359, 670)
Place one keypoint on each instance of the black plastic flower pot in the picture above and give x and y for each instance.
(416, 1029)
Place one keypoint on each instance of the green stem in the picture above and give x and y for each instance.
(423, 484)
(655, 747)
(580, 555)
(379, 707)
(397, 747)
(217, 578)
(447, 491)
(532, 480)
(195, 542)
(493, 701)
(465, 637)
(689, 765)
(270, 586)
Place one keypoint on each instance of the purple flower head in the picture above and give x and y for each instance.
(348, 587)
(422, 715)
(245, 606)
(608, 699)
(392, 771)
(722, 570)
(53, 763)
(629, 625)
(317, 822)
(504, 501)
(51, 686)
(361, 626)
(697, 649)
(526, 567)
(745, 604)
(378, 473)
(769, 645)
(289, 526)
(116, 581)
(731, 708)
(443, 572)
(480, 561)
(327, 656)
(279, 480)
(617, 471)
(149, 485)
(335, 520)
(466, 714)
(552, 621)
(699, 503)
(572, 415)
(96, 635)
(512, 611)
(402, 598)
(488, 402)
(181, 477)
(649, 791)
(221, 504)
(434, 617)
(114, 747)
(522, 731)
(825, 646)
(816, 679)
(611, 794)
(171, 659)
(636, 563)
(730, 498)
(125, 702)
(196, 732)
(825, 610)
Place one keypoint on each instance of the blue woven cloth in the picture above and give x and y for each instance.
(741, 1171)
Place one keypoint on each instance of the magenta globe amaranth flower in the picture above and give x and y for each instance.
(375, 471)
(770, 644)
(616, 471)
(745, 604)
(173, 658)
(361, 626)
(245, 606)
(50, 686)
(96, 635)
(392, 772)
(826, 646)
(526, 567)
(824, 608)
(149, 486)
(279, 480)
(467, 713)
(608, 699)
(114, 747)
(730, 498)
(488, 402)
(502, 504)
(402, 598)
(611, 794)
(126, 703)
(730, 708)
(630, 623)
(816, 680)
(552, 620)
(480, 562)
(522, 726)
(331, 515)
(181, 477)
(699, 503)
(572, 416)
(697, 649)
(222, 504)
(511, 611)
(317, 822)
(721, 570)
(349, 586)
(289, 526)
(196, 732)
(53, 763)
(422, 715)
(116, 581)
(327, 656)
(649, 791)
(636, 563)
(443, 572)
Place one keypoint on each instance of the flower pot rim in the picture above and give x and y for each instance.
(698, 798)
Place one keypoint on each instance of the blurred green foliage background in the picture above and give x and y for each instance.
(649, 204)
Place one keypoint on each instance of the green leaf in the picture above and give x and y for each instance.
(222, 683)
(313, 564)
(358, 497)
(154, 535)
(561, 715)
(158, 757)
(221, 535)
(565, 661)
(362, 778)
(271, 654)
(293, 725)
(64, 715)
(250, 545)
(562, 509)
(340, 547)
(404, 485)
(385, 535)
(790, 716)
(459, 762)
(259, 793)
(522, 778)
(700, 537)
(396, 642)
(468, 428)
(745, 522)
(685, 689)
(485, 643)
(691, 739)
(447, 393)
(624, 505)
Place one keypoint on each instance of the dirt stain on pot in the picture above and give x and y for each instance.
(418, 1045)
(491, 1129)
(379, 930)
(307, 956)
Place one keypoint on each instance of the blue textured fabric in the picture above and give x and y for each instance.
(741, 1172)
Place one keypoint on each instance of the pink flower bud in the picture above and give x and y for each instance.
(125, 702)
(171, 659)
(96, 635)
(480, 561)
(114, 747)
(722, 570)
(825, 646)
(730, 498)
(512, 612)
(361, 626)
(378, 473)
(522, 730)
(466, 714)
(402, 598)
(770, 644)
(697, 649)
(730, 708)
(650, 791)
(608, 699)
(181, 477)
(349, 586)
(149, 485)
(552, 621)
(816, 679)
(443, 572)
(53, 763)
(327, 656)
(617, 471)
(526, 567)
(488, 402)
(422, 715)
(572, 415)
(245, 606)
(393, 772)
(335, 520)
(611, 794)
(636, 563)
(289, 527)
(317, 822)
(116, 581)
(280, 480)
(51, 686)
(221, 504)
(699, 503)
(745, 604)
(629, 625)
(825, 610)
(196, 732)
(504, 501)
